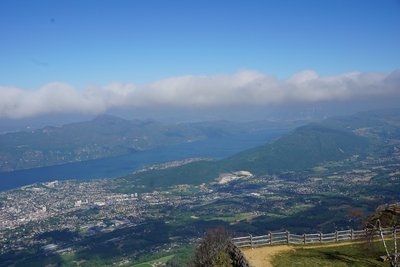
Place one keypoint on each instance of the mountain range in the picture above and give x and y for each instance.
(358, 136)
(110, 136)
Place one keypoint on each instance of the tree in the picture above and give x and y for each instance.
(213, 249)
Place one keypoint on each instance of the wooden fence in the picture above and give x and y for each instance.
(275, 238)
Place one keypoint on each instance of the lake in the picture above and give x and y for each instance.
(218, 147)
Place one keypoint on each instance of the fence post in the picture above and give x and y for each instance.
(351, 234)
(304, 239)
(287, 237)
(270, 238)
(336, 236)
(320, 237)
(251, 241)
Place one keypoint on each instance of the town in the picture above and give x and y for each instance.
(239, 200)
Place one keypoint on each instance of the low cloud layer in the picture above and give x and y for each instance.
(241, 89)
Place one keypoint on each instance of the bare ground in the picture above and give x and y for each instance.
(263, 256)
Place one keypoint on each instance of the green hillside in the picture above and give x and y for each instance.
(335, 139)
(305, 147)
(301, 149)
(192, 173)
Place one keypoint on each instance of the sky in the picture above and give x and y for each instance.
(93, 56)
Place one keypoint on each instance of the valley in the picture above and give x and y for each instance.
(163, 209)
(109, 136)
(180, 133)
(229, 143)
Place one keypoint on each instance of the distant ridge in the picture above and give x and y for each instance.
(104, 136)
(109, 136)
(303, 148)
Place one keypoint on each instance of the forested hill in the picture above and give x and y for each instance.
(303, 148)
(335, 139)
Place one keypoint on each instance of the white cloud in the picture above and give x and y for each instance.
(243, 88)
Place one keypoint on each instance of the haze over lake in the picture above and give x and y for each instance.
(216, 148)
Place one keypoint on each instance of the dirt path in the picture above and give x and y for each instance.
(263, 256)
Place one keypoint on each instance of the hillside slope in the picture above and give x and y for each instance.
(303, 148)
(333, 139)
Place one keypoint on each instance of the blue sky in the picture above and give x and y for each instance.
(91, 57)
(98, 42)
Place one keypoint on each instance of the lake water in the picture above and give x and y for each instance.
(217, 148)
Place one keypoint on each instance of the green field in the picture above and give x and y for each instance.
(162, 260)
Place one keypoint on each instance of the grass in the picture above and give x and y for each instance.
(68, 257)
(319, 169)
(362, 255)
(297, 209)
(162, 260)
(234, 218)
(180, 256)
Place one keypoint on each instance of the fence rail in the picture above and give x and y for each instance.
(275, 238)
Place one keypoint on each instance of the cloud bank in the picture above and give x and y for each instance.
(241, 89)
